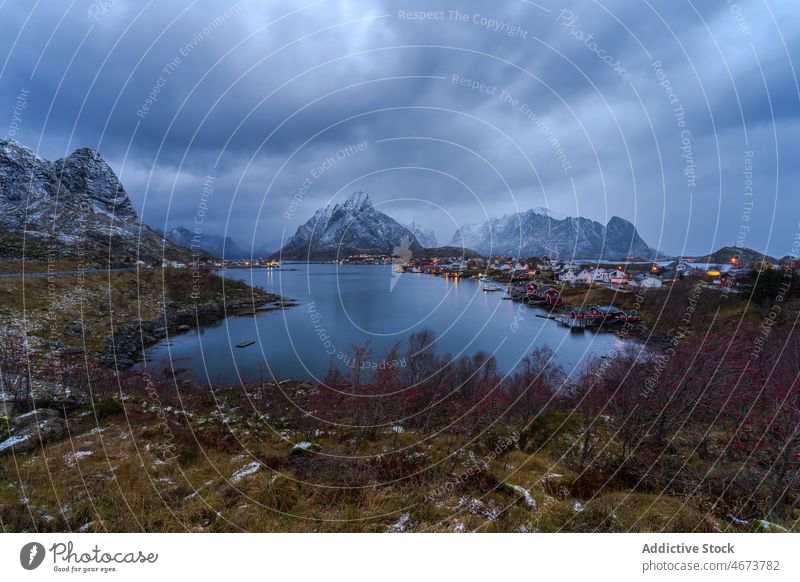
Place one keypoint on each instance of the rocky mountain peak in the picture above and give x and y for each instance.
(75, 204)
(351, 227)
(85, 177)
(618, 222)
(358, 201)
(13, 151)
(426, 237)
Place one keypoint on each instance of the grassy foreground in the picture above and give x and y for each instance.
(139, 467)
(234, 460)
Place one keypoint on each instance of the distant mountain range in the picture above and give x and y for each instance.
(348, 228)
(223, 247)
(72, 208)
(538, 232)
(427, 238)
(354, 226)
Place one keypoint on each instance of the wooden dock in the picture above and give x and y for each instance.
(573, 322)
(567, 321)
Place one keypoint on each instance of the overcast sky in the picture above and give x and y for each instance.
(652, 111)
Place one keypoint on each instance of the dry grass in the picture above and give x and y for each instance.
(121, 481)
(81, 310)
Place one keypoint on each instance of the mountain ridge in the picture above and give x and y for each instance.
(348, 228)
(223, 247)
(536, 233)
(426, 237)
(72, 207)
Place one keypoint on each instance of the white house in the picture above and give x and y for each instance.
(585, 277)
(568, 276)
(617, 277)
(601, 275)
(646, 281)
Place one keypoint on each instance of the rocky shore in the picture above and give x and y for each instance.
(133, 337)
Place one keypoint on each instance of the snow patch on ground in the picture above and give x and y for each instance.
(737, 520)
(478, 507)
(529, 500)
(401, 524)
(245, 471)
(92, 432)
(769, 525)
(70, 458)
(13, 441)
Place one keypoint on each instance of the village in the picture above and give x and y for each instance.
(555, 284)
(214, 263)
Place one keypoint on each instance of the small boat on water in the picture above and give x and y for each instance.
(492, 287)
(244, 344)
(485, 278)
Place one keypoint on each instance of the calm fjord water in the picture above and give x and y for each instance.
(342, 305)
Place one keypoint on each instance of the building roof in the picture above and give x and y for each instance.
(608, 309)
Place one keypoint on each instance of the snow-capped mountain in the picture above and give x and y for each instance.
(539, 232)
(219, 246)
(348, 228)
(73, 207)
(426, 238)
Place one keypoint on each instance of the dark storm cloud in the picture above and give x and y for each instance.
(572, 113)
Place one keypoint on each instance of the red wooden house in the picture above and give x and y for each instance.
(579, 313)
(606, 312)
(630, 316)
(552, 296)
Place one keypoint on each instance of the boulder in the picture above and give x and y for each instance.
(41, 425)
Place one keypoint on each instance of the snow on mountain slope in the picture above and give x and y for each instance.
(347, 228)
(539, 232)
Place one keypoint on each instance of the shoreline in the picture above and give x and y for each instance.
(134, 338)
